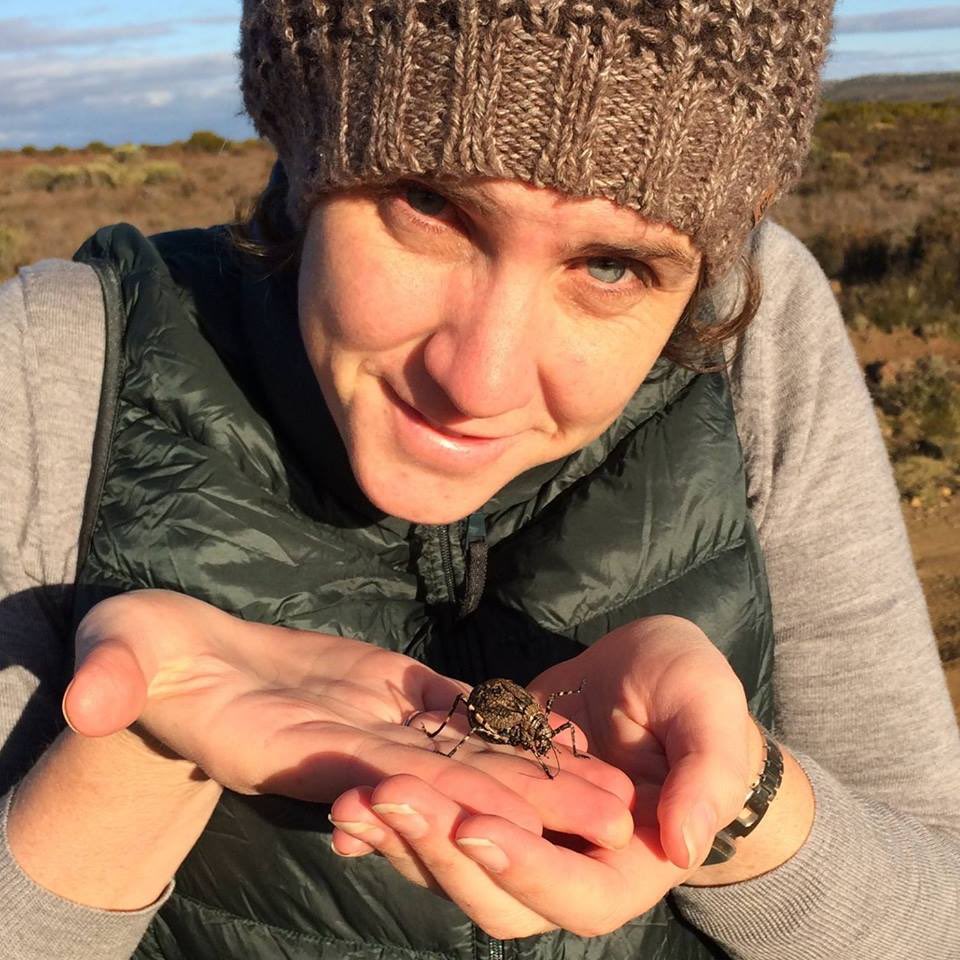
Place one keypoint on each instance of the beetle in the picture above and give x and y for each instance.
(501, 711)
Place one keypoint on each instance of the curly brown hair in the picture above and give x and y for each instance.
(262, 231)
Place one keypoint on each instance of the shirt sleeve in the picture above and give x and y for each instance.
(51, 365)
(860, 697)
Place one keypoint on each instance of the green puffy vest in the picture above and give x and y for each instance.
(217, 472)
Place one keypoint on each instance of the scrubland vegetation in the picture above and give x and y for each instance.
(879, 207)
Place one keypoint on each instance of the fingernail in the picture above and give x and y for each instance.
(403, 818)
(352, 826)
(699, 829)
(487, 854)
(618, 835)
(63, 708)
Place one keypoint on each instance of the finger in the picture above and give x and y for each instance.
(714, 755)
(580, 795)
(571, 802)
(108, 692)
(352, 821)
(359, 830)
(600, 890)
(427, 822)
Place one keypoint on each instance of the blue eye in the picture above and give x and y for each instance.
(425, 201)
(606, 270)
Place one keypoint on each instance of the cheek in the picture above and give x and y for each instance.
(590, 387)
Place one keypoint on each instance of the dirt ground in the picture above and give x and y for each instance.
(934, 531)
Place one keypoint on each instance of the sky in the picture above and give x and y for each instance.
(144, 72)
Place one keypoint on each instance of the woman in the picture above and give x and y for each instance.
(453, 442)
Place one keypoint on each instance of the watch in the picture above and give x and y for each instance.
(758, 799)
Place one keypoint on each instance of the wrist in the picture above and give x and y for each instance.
(780, 833)
(87, 803)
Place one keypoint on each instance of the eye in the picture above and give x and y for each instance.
(607, 270)
(424, 201)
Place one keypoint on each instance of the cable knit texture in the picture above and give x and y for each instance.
(694, 114)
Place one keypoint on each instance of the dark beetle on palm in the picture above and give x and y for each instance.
(501, 711)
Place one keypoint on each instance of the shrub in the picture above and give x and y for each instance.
(38, 177)
(128, 153)
(106, 174)
(58, 151)
(29, 150)
(98, 146)
(924, 400)
(869, 258)
(921, 477)
(830, 249)
(69, 178)
(162, 172)
(206, 141)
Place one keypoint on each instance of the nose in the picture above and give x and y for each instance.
(486, 353)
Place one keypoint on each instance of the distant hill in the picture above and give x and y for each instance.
(896, 87)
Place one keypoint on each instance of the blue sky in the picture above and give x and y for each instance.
(142, 72)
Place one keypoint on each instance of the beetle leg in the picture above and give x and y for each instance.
(457, 747)
(573, 737)
(457, 701)
(563, 693)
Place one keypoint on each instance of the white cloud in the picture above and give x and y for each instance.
(73, 100)
(158, 98)
(899, 21)
(18, 34)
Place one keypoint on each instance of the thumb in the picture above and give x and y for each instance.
(713, 762)
(108, 691)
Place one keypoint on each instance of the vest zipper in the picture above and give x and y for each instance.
(496, 950)
(446, 560)
(471, 535)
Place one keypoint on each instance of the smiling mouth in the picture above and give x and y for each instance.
(413, 412)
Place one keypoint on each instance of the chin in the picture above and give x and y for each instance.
(427, 499)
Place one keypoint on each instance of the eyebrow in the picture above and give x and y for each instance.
(655, 249)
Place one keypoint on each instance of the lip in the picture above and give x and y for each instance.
(432, 445)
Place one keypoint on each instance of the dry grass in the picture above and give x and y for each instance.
(50, 204)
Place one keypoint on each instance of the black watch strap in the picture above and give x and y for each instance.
(759, 798)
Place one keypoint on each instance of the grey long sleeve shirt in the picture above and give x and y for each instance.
(859, 694)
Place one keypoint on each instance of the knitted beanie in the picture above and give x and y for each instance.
(695, 113)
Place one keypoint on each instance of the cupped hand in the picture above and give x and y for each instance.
(266, 709)
(661, 703)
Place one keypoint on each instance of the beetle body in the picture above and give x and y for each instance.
(501, 711)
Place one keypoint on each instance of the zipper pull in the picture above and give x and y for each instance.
(476, 578)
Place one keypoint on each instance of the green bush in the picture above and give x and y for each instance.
(206, 141)
(128, 153)
(924, 402)
(39, 177)
(29, 150)
(829, 171)
(830, 249)
(106, 174)
(162, 172)
(98, 146)
(58, 151)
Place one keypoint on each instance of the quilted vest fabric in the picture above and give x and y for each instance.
(217, 472)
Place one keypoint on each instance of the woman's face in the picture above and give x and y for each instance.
(464, 334)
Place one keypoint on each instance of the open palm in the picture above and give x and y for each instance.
(267, 709)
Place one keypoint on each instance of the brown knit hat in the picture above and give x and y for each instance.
(696, 114)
